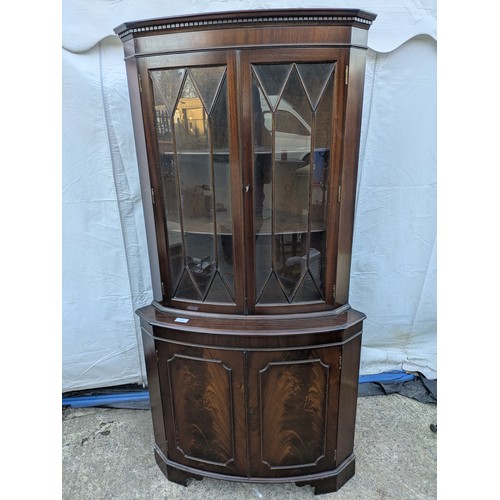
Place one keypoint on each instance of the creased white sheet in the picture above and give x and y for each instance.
(86, 22)
(105, 263)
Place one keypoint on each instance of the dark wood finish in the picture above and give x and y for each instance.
(155, 399)
(237, 177)
(239, 330)
(283, 442)
(204, 387)
(249, 18)
(157, 209)
(142, 159)
(174, 474)
(250, 391)
(335, 481)
(352, 129)
(348, 398)
(262, 407)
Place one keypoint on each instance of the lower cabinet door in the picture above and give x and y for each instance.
(293, 411)
(204, 413)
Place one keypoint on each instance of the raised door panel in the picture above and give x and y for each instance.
(205, 407)
(293, 405)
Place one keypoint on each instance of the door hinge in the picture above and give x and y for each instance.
(162, 288)
(340, 362)
(334, 291)
(140, 83)
(339, 193)
(153, 195)
(335, 455)
(347, 74)
(157, 356)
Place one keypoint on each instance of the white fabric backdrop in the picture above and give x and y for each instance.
(105, 264)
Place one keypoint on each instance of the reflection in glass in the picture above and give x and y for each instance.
(207, 80)
(218, 291)
(193, 157)
(290, 200)
(190, 120)
(314, 76)
(273, 293)
(273, 78)
(166, 86)
(320, 179)
(291, 197)
(222, 194)
(262, 149)
(192, 131)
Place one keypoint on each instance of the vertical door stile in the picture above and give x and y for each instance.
(333, 210)
(246, 156)
(237, 175)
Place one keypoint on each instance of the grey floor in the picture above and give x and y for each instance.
(107, 454)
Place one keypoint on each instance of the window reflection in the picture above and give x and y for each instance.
(191, 123)
(291, 109)
(192, 132)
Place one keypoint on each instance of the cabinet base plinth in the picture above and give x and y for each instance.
(322, 483)
(335, 482)
(173, 474)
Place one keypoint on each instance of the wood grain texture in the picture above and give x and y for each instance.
(348, 398)
(142, 160)
(262, 413)
(250, 329)
(204, 399)
(155, 395)
(292, 407)
(349, 176)
(202, 408)
(293, 403)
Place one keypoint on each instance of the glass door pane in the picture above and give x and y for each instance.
(292, 128)
(191, 104)
(166, 86)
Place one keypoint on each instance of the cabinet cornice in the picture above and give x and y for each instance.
(335, 17)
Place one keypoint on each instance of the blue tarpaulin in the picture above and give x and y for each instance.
(139, 399)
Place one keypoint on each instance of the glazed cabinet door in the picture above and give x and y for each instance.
(190, 119)
(295, 108)
(204, 416)
(293, 411)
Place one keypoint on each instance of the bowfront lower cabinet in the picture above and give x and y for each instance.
(247, 135)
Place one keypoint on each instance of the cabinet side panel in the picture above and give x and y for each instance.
(142, 159)
(354, 105)
(348, 398)
(154, 388)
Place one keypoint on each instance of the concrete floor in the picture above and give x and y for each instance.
(107, 454)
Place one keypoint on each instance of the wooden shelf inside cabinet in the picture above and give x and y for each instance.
(247, 149)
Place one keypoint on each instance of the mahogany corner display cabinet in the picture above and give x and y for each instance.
(247, 130)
